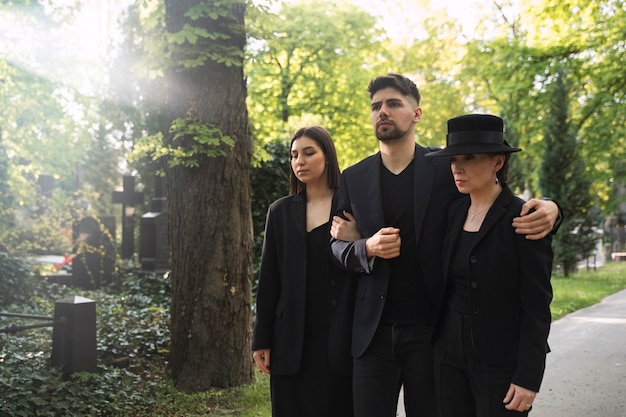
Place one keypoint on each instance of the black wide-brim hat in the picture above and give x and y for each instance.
(475, 133)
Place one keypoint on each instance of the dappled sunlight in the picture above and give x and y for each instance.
(71, 48)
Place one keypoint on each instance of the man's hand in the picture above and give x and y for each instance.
(262, 359)
(539, 223)
(519, 398)
(345, 229)
(384, 244)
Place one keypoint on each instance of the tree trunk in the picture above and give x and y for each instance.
(210, 225)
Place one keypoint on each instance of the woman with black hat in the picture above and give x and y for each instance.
(493, 322)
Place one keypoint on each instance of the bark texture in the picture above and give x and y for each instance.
(210, 225)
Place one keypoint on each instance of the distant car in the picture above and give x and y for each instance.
(53, 264)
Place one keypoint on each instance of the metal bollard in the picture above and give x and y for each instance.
(74, 340)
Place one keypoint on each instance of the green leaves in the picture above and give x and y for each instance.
(198, 41)
(133, 341)
(310, 64)
(191, 141)
(191, 34)
(215, 9)
(16, 280)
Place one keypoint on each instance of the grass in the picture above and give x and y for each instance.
(571, 293)
(586, 288)
(247, 401)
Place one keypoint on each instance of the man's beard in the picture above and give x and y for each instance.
(390, 134)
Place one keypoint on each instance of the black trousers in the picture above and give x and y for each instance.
(315, 391)
(398, 355)
(466, 386)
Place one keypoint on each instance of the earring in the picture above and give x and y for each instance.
(496, 181)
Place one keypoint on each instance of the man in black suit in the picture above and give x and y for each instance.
(399, 201)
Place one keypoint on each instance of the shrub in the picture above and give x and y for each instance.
(16, 281)
(133, 337)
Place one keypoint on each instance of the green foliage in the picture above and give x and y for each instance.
(141, 307)
(591, 35)
(36, 132)
(6, 199)
(145, 40)
(35, 389)
(311, 64)
(46, 127)
(133, 382)
(563, 178)
(45, 227)
(269, 181)
(508, 73)
(42, 132)
(508, 68)
(133, 341)
(301, 66)
(190, 45)
(215, 46)
(208, 140)
(246, 401)
(432, 61)
(586, 288)
(16, 280)
(133, 337)
(191, 140)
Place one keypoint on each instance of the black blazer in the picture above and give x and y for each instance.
(280, 315)
(510, 289)
(360, 194)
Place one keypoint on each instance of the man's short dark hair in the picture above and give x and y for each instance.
(396, 81)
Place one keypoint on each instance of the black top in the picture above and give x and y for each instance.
(458, 288)
(317, 273)
(408, 301)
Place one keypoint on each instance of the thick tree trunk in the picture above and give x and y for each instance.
(210, 226)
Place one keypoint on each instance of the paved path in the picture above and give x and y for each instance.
(586, 370)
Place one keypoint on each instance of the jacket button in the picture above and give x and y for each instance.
(382, 296)
(333, 302)
(474, 284)
(472, 259)
(333, 283)
(475, 310)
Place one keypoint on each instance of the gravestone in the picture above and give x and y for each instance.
(46, 185)
(74, 338)
(129, 199)
(153, 241)
(93, 262)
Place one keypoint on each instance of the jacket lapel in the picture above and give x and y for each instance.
(424, 180)
(299, 215)
(373, 196)
(497, 210)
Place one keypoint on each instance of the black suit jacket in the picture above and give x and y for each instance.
(280, 315)
(510, 290)
(360, 194)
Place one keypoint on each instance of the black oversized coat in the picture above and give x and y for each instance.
(360, 194)
(280, 312)
(510, 290)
